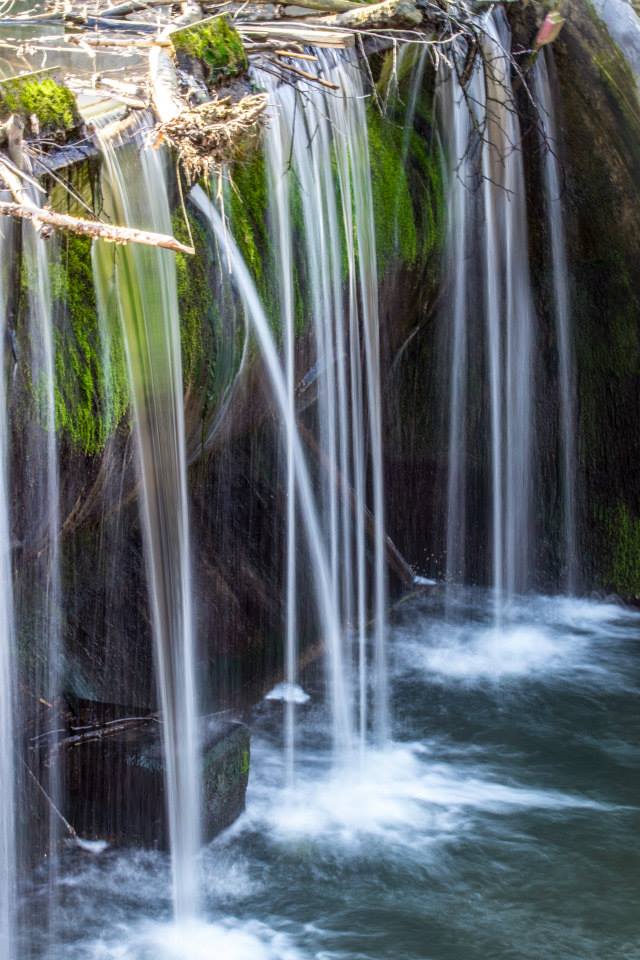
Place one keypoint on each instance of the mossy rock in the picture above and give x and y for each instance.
(91, 394)
(216, 44)
(43, 96)
(621, 568)
(195, 297)
(248, 207)
(406, 168)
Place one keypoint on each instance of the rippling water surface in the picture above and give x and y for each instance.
(502, 823)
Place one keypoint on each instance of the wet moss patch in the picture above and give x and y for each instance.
(91, 395)
(195, 298)
(216, 44)
(42, 96)
(622, 572)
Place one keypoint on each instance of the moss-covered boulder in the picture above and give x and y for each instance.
(41, 99)
(216, 45)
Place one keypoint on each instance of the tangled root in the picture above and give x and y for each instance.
(207, 136)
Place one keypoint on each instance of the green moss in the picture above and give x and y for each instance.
(392, 205)
(408, 194)
(249, 204)
(90, 399)
(195, 298)
(623, 531)
(216, 44)
(614, 69)
(249, 215)
(52, 103)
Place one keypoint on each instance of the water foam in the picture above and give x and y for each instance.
(405, 796)
(196, 940)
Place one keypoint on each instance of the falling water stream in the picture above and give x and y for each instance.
(488, 224)
(562, 315)
(310, 127)
(135, 185)
(41, 598)
(8, 871)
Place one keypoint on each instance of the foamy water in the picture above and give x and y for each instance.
(503, 815)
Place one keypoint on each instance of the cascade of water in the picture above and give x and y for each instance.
(460, 184)
(561, 308)
(507, 256)
(145, 281)
(500, 244)
(328, 614)
(278, 147)
(348, 116)
(8, 866)
(328, 126)
(44, 500)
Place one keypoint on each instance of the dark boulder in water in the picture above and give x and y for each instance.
(113, 781)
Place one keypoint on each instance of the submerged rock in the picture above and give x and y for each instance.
(114, 787)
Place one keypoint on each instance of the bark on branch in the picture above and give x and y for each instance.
(385, 14)
(91, 228)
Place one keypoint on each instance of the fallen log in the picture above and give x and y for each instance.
(165, 90)
(388, 13)
(312, 34)
(131, 6)
(128, 43)
(92, 228)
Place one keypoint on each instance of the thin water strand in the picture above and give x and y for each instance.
(561, 312)
(145, 280)
(8, 858)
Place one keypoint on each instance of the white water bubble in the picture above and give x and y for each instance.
(288, 693)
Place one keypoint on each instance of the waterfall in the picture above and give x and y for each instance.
(460, 184)
(488, 226)
(8, 868)
(348, 116)
(43, 594)
(328, 615)
(135, 186)
(308, 129)
(278, 149)
(561, 309)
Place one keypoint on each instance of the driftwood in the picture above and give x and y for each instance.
(312, 34)
(125, 43)
(58, 813)
(131, 6)
(165, 90)
(386, 14)
(91, 228)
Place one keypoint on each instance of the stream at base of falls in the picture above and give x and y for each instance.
(501, 823)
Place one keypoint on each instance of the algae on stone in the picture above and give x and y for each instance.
(215, 44)
(42, 96)
(91, 395)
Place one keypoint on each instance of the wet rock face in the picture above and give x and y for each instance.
(114, 785)
(601, 157)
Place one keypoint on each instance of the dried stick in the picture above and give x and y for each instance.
(91, 228)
